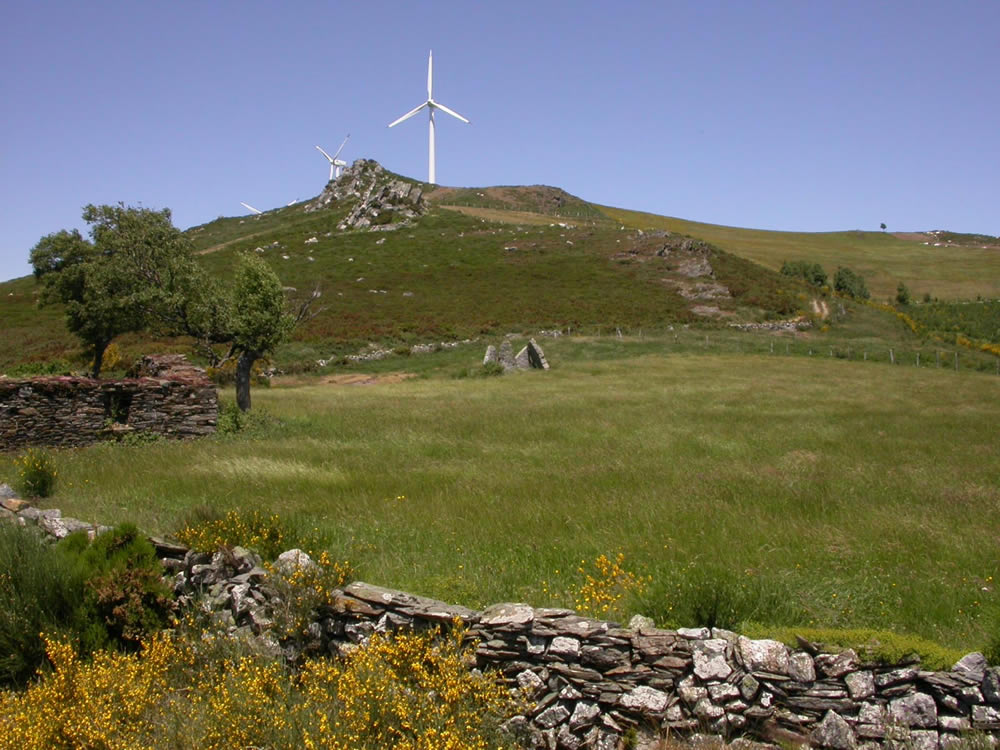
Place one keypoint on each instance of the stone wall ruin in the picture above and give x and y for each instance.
(167, 397)
(589, 683)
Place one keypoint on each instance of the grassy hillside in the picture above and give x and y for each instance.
(883, 259)
(807, 491)
(450, 275)
(486, 261)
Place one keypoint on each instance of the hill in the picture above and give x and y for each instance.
(401, 262)
(399, 269)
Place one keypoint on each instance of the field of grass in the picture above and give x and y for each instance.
(946, 272)
(809, 491)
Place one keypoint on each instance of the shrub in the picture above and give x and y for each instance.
(231, 418)
(40, 590)
(488, 370)
(811, 273)
(412, 691)
(36, 474)
(114, 358)
(605, 587)
(126, 593)
(302, 591)
(850, 283)
(267, 534)
(232, 421)
(902, 294)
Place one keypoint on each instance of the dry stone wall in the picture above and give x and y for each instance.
(168, 397)
(589, 683)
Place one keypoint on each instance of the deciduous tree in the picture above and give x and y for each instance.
(134, 263)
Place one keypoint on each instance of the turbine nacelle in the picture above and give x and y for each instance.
(335, 163)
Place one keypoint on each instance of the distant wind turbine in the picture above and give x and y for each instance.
(335, 163)
(250, 208)
(431, 106)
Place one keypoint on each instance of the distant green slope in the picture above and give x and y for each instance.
(884, 260)
(449, 275)
(495, 260)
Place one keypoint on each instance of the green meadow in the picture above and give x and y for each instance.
(749, 489)
(842, 477)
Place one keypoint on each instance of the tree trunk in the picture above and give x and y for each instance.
(243, 367)
(99, 347)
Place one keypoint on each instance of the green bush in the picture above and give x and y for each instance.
(233, 421)
(41, 591)
(125, 590)
(811, 273)
(850, 283)
(36, 474)
(902, 294)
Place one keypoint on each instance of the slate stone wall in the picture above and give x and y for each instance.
(168, 397)
(590, 682)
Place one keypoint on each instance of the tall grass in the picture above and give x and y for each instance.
(847, 493)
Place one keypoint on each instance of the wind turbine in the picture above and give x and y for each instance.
(431, 106)
(250, 208)
(335, 163)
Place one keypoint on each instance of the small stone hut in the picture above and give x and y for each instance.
(166, 396)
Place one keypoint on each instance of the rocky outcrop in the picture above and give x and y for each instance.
(380, 200)
(169, 397)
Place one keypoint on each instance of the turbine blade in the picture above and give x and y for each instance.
(341, 146)
(325, 154)
(430, 76)
(251, 208)
(451, 112)
(408, 115)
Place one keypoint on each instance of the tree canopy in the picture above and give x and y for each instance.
(137, 272)
(133, 264)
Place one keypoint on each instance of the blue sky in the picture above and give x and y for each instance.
(800, 115)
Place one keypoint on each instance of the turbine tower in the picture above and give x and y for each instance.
(335, 163)
(431, 106)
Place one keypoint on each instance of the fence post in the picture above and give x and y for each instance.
(956, 361)
(918, 359)
(892, 357)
